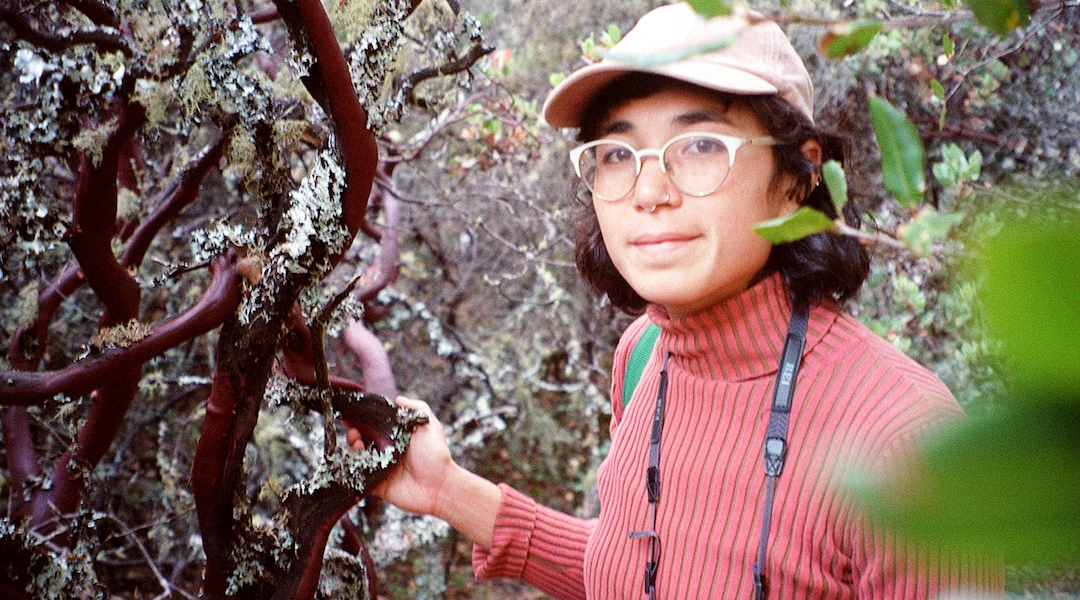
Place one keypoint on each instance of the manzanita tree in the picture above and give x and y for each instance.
(121, 116)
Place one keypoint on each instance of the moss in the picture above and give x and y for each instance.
(195, 90)
(27, 311)
(243, 153)
(156, 98)
(121, 336)
(290, 134)
(343, 576)
(128, 207)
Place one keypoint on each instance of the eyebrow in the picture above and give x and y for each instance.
(690, 118)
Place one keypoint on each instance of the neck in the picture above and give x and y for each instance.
(738, 338)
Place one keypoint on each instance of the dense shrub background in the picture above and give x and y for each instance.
(488, 321)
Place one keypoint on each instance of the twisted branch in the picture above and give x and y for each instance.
(218, 302)
(106, 41)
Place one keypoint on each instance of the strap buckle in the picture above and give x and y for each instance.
(653, 563)
(759, 585)
(775, 449)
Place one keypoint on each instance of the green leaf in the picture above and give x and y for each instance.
(845, 39)
(926, 228)
(1032, 299)
(802, 223)
(903, 158)
(937, 90)
(1001, 16)
(611, 36)
(556, 78)
(645, 61)
(712, 8)
(947, 45)
(956, 168)
(1006, 484)
(836, 182)
(491, 126)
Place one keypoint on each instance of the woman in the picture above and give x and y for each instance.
(680, 161)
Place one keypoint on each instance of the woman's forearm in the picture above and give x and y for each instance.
(469, 503)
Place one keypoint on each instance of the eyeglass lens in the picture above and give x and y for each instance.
(697, 165)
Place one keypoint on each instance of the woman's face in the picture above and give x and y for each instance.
(690, 252)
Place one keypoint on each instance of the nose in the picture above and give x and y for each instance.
(653, 186)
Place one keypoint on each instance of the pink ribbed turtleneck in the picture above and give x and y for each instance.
(859, 404)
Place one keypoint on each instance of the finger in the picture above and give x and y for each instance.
(419, 405)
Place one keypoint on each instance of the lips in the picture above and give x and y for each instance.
(661, 242)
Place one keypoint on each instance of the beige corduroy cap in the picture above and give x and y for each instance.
(759, 61)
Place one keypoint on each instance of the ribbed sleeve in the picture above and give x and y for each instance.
(540, 546)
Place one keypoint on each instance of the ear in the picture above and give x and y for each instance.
(794, 194)
(811, 149)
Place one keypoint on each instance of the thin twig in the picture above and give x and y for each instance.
(164, 583)
(408, 83)
(322, 371)
(872, 239)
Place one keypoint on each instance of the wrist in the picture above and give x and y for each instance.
(469, 503)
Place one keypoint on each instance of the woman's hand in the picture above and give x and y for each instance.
(415, 482)
(426, 480)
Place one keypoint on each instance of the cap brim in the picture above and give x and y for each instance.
(567, 102)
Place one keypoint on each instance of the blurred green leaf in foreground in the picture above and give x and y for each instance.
(1009, 483)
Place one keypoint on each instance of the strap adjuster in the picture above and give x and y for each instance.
(775, 449)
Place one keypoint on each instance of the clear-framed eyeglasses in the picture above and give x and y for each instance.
(696, 162)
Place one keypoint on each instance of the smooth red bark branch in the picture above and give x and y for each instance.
(245, 359)
(22, 459)
(233, 407)
(218, 303)
(359, 149)
(110, 404)
(311, 520)
(186, 192)
(106, 41)
(93, 221)
(28, 344)
(211, 498)
(26, 352)
(368, 349)
(265, 15)
(126, 176)
(373, 359)
(389, 264)
(96, 436)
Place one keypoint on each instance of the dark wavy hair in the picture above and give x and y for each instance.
(821, 267)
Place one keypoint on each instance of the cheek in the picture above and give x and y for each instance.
(608, 230)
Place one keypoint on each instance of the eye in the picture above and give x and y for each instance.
(703, 146)
(614, 155)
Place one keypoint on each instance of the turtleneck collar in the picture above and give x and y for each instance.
(739, 338)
